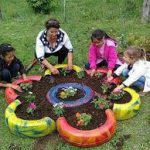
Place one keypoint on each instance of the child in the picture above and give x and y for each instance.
(102, 52)
(136, 70)
(10, 66)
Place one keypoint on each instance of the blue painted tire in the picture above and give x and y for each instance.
(88, 94)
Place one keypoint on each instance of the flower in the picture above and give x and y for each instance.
(31, 108)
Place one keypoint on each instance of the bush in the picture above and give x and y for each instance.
(40, 6)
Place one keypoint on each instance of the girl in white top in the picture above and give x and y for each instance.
(53, 41)
(136, 70)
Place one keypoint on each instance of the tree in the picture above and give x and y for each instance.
(146, 11)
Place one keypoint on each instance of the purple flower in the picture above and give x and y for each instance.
(32, 106)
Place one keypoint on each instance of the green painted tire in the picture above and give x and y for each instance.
(130, 109)
(30, 128)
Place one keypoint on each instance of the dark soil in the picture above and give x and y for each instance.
(44, 108)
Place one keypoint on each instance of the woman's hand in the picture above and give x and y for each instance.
(92, 72)
(54, 70)
(69, 67)
(14, 86)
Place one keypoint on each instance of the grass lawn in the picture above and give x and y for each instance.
(20, 26)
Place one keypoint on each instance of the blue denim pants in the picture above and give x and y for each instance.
(139, 83)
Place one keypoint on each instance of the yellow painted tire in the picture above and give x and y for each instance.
(130, 109)
(76, 68)
(30, 128)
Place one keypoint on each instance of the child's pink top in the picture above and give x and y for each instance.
(109, 54)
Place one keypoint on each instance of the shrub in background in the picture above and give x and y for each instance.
(40, 6)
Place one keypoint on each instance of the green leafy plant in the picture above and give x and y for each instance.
(81, 74)
(67, 92)
(83, 119)
(63, 72)
(31, 108)
(116, 95)
(40, 6)
(30, 97)
(58, 109)
(26, 86)
(100, 103)
(98, 75)
(105, 88)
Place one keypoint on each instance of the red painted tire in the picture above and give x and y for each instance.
(116, 80)
(87, 138)
(10, 94)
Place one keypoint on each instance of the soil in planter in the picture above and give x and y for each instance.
(44, 108)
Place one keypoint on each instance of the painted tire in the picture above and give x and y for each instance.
(87, 138)
(130, 109)
(10, 94)
(116, 80)
(30, 128)
(76, 68)
(88, 95)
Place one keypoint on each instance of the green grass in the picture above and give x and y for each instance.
(20, 27)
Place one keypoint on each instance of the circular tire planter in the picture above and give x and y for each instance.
(87, 138)
(76, 68)
(130, 109)
(52, 94)
(30, 128)
(10, 94)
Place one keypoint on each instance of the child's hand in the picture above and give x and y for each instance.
(16, 87)
(109, 78)
(24, 76)
(109, 74)
(118, 88)
(92, 72)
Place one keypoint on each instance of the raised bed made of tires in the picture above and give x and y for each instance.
(53, 99)
(87, 138)
(130, 109)
(30, 128)
(11, 95)
(104, 70)
(76, 68)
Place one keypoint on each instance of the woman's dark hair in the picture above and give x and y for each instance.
(6, 48)
(52, 23)
(99, 35)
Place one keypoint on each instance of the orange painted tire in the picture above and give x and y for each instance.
(10, 94)
(116, 80)
(87, 138)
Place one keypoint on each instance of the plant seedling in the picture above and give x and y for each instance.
(30, 97)
(105, 88)
(100, 103)
(31, 108)
(67, 92)
(81, 74)
(83, 119)
(26, 86)
(116, 95)
(58, 109)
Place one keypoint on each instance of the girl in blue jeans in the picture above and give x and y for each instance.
(135, 69)
(10, 66)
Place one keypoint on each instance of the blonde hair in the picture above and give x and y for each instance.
(135, 53)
